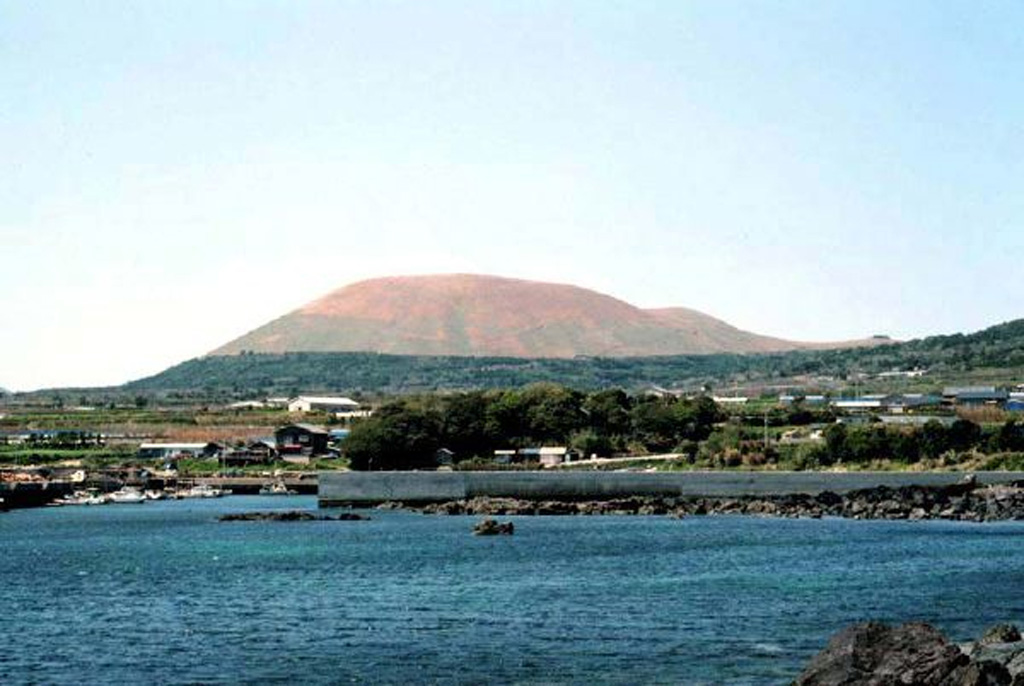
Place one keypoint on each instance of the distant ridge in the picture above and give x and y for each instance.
(481, 316)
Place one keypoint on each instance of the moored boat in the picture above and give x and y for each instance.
(129, 496)
(90, 497)
(277, 488)
(201, 491)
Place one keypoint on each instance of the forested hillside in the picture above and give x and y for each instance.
(999, 347)
(306, 372)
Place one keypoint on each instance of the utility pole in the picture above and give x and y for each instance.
(766, 430)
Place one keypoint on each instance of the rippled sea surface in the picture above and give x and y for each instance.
(162, 593)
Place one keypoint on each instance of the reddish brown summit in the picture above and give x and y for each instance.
(473, 315)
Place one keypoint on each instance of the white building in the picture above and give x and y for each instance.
(166, 451)
(247, 405)
(307, 403)
(903, 374)
(551, 456)
(859, 404)
(353, 414)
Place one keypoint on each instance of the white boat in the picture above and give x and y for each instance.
(81, 498)
(278, 488)
(127, 496)
(202, 491)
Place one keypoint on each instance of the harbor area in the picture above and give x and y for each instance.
(23, 488)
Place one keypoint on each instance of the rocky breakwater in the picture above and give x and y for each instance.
(965, 501)
(916, 654)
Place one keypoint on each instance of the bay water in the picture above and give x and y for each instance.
(163, 593)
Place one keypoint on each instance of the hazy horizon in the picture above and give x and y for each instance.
(180, 174)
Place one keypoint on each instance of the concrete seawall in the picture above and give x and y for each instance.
(367, 488)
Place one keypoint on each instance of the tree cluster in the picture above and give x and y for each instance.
(406, 433)
(857, 445)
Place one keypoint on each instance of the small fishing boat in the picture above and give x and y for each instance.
(278, 488)
(81, 498)
(127, 496)
(202, 491)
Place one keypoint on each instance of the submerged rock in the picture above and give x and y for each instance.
(290, 516)
(489, 527)
(913, 654)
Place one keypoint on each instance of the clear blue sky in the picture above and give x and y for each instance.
(177, 173)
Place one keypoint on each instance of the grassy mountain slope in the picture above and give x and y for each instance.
(487, 316)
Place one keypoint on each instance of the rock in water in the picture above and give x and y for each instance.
(913, 654)
(290, 516)
(489, 527)
(1001, 633)
(1003, 644)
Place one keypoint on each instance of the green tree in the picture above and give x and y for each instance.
(695, 418)
(963, 435)
(608, 412)
(654, 423)
(663, 423)
(934, 439)
(398, 436)
(506, 418)
(1010, 437)
(553, 413)
(464, 426)
(836, 448)
(589, 442)
(906, 447)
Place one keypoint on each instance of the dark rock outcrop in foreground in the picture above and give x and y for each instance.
(489, 527)
(966, 501)
(290, 516)
(915, 654)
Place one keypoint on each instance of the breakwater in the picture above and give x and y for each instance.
(966, 501)
(371, 488)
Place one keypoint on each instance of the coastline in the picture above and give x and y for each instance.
(968, 501)
(985, 496)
